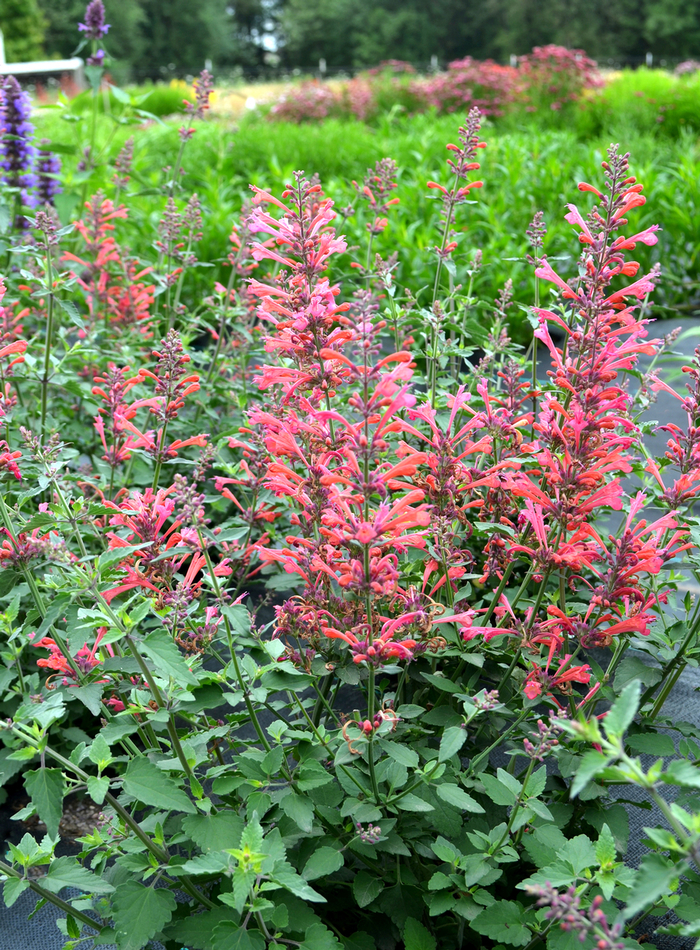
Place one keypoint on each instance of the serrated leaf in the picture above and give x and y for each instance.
(67, 872)
(366, 888)
(400, 753)
(605, 847)
(69, 307)
(89, 696)
(579, 852)
(499, 793)
(454, 795)
(453, 738)
(681, 772)
(214, 832)
(99, 752)
(149, 785)
(13, 888)
(322, 862)
(239, 618)
(97, 788)
(631, 668)
(652, 743)
(319, 937)
(623, 710)
(653, 880)
(139, 913)
(46, 788)
(502, 922)
(299, 809)
(297, 885)
(39, 520)
(591, 763)
(108, 559)
(231, 936)
(417, 937)
(169, 662)
(411, 802)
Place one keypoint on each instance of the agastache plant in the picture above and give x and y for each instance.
(17, 149)
(353, 644)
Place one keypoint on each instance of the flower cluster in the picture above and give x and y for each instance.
(545, 80)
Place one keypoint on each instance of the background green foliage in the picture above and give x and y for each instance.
(23, 27)
(153, 38)
(525, 169)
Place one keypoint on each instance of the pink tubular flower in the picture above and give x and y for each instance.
(541, 680)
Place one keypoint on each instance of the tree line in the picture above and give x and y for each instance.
(153, 38)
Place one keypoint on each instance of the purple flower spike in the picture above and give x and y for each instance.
(98, 59)
(94, 26)
(16, 150)
(48, 167)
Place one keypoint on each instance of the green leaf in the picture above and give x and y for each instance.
(230, 936)
(653, 880)
(214, 832)
(499, 793)
(239, 618)
(100, 753)
(623, 710)
(417, 937)
(297, 885)
(109, 558)
(69, 307)
(580, 853)
(502, 922)
(653, 743)
(452, 741)
(591, 763)
(366, 888)
(454, 795)
(12, 889)
(168, 661)
(400, 753)
(46, 788)
(605, 847)
(322, 862)
(631, 668)
(139, 913)
(149, 785)
(89, 696)
(299, 809)
(412, 802)
(67, 872)
(441, 682)
(277, 680)
(39, 520)
(681, 772)
(97, 788)
(319, 937)
(196, 932)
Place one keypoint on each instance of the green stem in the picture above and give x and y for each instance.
(678, 660)
(47, 345)
(485, 754)
(160, 445)
(52, 898)
(516, 807)
(234, 659)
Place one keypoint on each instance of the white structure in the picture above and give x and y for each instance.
(43, 67)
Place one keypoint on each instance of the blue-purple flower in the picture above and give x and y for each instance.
(48, 168)
(94, 26)
(16, 149)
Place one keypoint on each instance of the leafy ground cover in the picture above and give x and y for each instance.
(307, 578)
